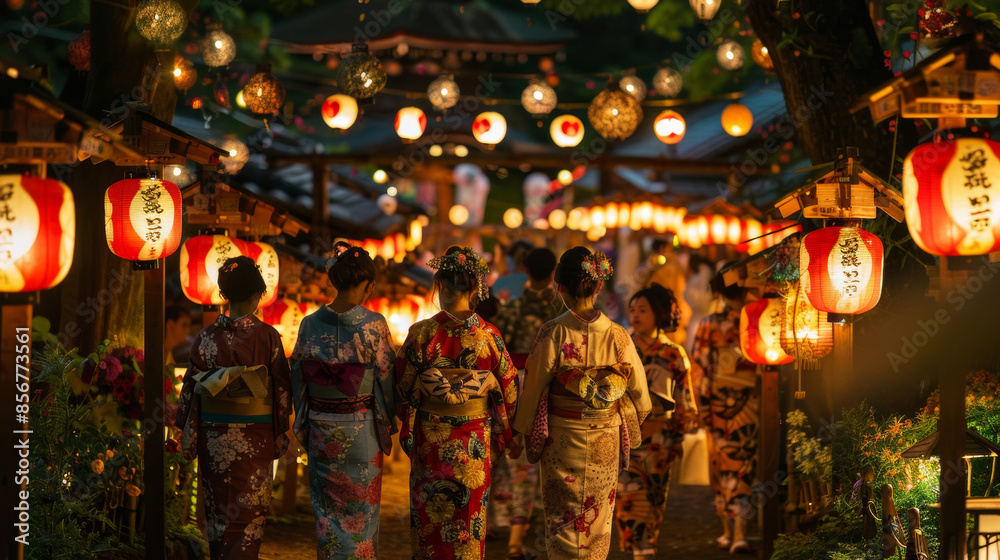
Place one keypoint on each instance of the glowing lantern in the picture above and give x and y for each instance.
(614, 113)
(339, 111)
(557, 218)
(202, 256)
(360, 75)
(730, 55)
(239, 155)
(37, 239)
(668, 82)
(566, 131)
(718, 230)
(597, 217)
(184, 74)
(410, 123)
(443, 93)
(263, 94)
(705, 9)
(643, 6)
(646, 214)
(633, 86)
(760, 55)
(623, 215)
(737, 119)
(841, 269)
(702, 228)
(669, 127)
(513, 218)
(538, 98)
(489, 128)
(217, 48)
(285, 315)
(78, 51)
(161, 22)
(458, 214)
(734, 230)
(142, 219)
(760, 332)
(806, 333)
(611, 215)
(661, 219)
(946, 192)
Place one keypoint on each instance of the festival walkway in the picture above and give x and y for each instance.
(689, 531)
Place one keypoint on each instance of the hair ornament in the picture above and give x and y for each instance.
(338, 251)
(597, 266)
(464, 260)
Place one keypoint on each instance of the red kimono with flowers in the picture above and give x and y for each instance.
(451, 454)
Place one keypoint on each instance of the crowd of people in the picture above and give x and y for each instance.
(552, 397)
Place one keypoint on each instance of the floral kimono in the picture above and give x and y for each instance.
(458, 389)
(642, 489)
(343, 378)
(515, 481)
(729, 408)
(584, 398)
(234, 408)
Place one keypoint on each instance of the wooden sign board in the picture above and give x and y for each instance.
(35, 152)
(836, 200)
(919, 109)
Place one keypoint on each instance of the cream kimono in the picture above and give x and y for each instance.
(583, 430)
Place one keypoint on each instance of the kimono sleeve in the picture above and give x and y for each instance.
(409, 364)
(506, 374)
(638, 387)
(189, 405)
(298, 386)
(281, 379)
(385, 362)
(539, 373)
(701, 357)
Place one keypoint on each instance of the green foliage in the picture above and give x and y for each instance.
(813, 460)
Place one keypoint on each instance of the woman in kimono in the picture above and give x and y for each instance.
(642, 489)
(343, 378)
(729, 406)
(235, 407)
(583, 401)
(457, 389)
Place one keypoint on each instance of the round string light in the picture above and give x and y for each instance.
(263, 94)
(443, 93)
(339, 111)
(489, 128)
(161, 22)
(730, 55)
(669, 127)
(737, 119)
(614, 113)
(633, 86)
(78, 51)
(238, 155)
(706, 9)
(668, 82)
(643, 6)
(217, 48)
(760, 55)
(410, 123)
(184, 74)
(538, 98)
(513, 218)
(566, 131)
(361, 75)
(557, 218)
(458, 214)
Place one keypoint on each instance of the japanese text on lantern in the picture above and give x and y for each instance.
(223, 249)
(150, 194)
(977, 182)
(849, 260)
(6, 233)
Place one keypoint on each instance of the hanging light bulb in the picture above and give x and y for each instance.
(633, 86)
(730, 55)
(263, 93)
(361, 75)
(761, 56)
(489, 128)
(614, 113)
(706, 9)
(566, 131)
(410, 123)
(239, 155)
(737, 119)
(217, 48)
(668, 82)
(443, 93)
(538, 98)
(339, 111)
(669, 127)
(161, 22)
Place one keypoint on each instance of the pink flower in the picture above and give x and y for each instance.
(354, 523)
(333, 449)
(375, 490)
(461, 258)
(365, 550)
(112, 368)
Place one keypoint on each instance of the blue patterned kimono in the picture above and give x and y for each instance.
(343, 378)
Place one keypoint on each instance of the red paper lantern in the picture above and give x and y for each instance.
(841, 269)
(669, 127)
(142, 219)
(410, 123)
(946, 192)
(38, 233)
(760, 332)
(566, 131)
(285, 315)
(202, 256)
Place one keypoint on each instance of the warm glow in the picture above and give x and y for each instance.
(596, 233)
(737, 120)
(239, 100)
(461, 151)
(489, 128)
(841, 269)
(178, 72)
(643, 6)
(597, 217)
(565, 177)
(435, 150)
(38, 234)
(646, 214)
(458, 215)
(557, 219)
(669, 127)
(513, 218)
(380, 176)
(339, 111)
(202, 256)
(574, 218)
(391, 191)
(611, 215)
(566, 131)
(410, 123)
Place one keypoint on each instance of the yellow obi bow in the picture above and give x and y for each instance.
(598, 387)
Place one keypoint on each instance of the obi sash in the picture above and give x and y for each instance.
(235, 391)
(598, 387)
(455, 385)
(336, 387)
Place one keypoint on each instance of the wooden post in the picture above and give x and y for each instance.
(153, 452)
(12, 317)
(951, 427)
(770, 456)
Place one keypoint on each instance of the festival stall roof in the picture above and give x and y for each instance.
(975, 446)
(428, 24)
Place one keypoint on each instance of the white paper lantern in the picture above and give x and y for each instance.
(668, 82)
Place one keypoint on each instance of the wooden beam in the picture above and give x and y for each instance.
(951, 427)
(555, 161)
(155, 406)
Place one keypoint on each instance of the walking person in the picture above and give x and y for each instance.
(343, 377)
(642, 489)
(515, 481)
(235, 408)
(457, 389)
(584, 398)
(729, 406)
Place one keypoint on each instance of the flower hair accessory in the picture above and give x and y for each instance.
(339, 250)
(464, 260)
(597, 266)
